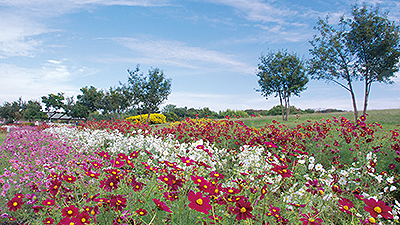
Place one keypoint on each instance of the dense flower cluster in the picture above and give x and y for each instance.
(155, 118)
(201, 171)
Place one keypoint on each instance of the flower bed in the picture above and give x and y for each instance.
(201, 172)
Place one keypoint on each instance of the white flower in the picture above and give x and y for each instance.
(310, 166)
(311, 159)
(319, 167)
(390, 180)
(342, 181)
(379, 178)
(302, 161)
(369, 156)
(392, 188)
(344, 173)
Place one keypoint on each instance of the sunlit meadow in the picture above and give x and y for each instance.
(201, 171)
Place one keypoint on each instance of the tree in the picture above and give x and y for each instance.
(374, 40)
(116, 100)
(148, 92)
(282, 74)
(331, 58)
(13, 110)
(34, 111)
(53, 102)
(91, 98)
(365, 48)
(76, 109)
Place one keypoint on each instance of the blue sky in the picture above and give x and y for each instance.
(210, 48)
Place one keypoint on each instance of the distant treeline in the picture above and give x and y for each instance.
(173, 113)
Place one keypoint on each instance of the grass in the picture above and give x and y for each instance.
(388, 118)
(2, 138)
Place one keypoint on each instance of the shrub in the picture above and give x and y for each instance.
(155, 118)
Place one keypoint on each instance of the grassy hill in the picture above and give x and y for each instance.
(388, 118)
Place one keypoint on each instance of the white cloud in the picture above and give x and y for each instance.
(179, 54)
(18, 35)
(52, 77)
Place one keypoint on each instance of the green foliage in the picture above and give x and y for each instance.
(91, 98)
(148, 92)
(283, 74)
(374, 41)
(53, 102)
(33, 111)
(365, 47)
(233, 113)
(12, 111)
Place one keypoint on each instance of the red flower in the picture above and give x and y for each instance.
(161, 205)
(376, 208)
(117, 162)
(109, 184)
(282, 170)
(118, 202)
(48, 202)
(48, 220)
(37, 208)
(141, 212)
(105, 155)
(69, 178)
(345, 205)
(83, 217)
(92, 174)
(243, 210)
(198, 202)
(70, 211)
(69, 221)
(54, 186)
(14, 204)
(310, 219)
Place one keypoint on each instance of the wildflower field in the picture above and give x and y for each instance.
(201, 171)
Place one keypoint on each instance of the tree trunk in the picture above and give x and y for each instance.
(367, 92)
(353, 98)
(148, 117)
(288, 108)
(280, 100)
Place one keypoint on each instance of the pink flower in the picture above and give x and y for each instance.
(376, 208)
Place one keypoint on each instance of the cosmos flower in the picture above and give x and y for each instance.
(198, 202)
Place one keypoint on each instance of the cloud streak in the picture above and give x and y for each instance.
(180, 54)
(51, 77)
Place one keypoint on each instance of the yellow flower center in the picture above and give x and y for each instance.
(243, 210)
(346, 207)
(372, 220)
(377, 209)
(264, 191)
(199, 201)
(15, 203)
(321, 192)
(111, 184)
(166, 179)
(72, 223)
(83, 220)
(92, 212)
(284, 170)
(70, 212)
(311, 220)
(141, 213)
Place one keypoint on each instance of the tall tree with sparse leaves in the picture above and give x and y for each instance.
(283, 74)
(374, 40)
(364, 47)
(148, 92)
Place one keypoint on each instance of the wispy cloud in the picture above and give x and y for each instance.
(180, 54)
(52, 76)
(21, 28)
(18, 35)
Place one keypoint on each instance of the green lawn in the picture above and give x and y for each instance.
(388, 118)
(2, 138)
